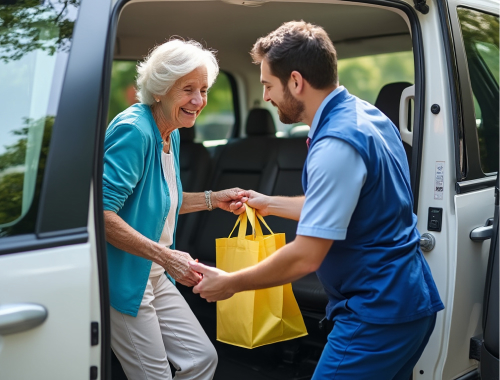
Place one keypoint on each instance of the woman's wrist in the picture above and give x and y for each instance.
(213, 200)
(161, 255)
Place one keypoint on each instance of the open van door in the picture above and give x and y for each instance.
(53, 284)
(459, 169)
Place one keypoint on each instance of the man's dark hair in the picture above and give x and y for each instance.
(299, 46)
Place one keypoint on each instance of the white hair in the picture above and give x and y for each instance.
(170, 61)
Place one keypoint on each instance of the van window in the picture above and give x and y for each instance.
(480, 38)
(213, 126)
(365, 76)
(35, 39)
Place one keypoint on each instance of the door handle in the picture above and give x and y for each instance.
(20, 317)
(484, 232)
(427, 242)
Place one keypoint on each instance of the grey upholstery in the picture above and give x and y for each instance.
(388, 101)
(260, 123)
(195, 167)
(195, 162)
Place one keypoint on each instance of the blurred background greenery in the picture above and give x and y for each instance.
(365, 76)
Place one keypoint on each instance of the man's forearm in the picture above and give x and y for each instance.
(286, 207)
(293, 261)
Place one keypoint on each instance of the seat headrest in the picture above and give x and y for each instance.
(187, 134)
(388, 100)
(260, 123)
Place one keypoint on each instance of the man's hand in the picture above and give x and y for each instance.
(215, 283)
(231, 200)
(257, 201)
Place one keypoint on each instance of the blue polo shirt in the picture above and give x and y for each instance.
(334, 187)
(357, 193)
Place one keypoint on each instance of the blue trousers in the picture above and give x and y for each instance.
(357, 350)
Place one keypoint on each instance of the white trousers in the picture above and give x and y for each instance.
(165, 329)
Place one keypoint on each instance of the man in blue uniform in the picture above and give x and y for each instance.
(356, 226)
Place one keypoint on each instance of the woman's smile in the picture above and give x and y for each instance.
(185, 100)
(189, 112)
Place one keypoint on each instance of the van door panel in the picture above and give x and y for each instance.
(467, 288)
(57, 279)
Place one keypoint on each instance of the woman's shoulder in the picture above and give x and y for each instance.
(137, 115)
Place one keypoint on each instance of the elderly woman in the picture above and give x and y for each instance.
(151, 323)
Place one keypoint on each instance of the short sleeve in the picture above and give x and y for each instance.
(336, 174)
(124, 156)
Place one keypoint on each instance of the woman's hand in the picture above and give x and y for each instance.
(231, 200)
(176, 263)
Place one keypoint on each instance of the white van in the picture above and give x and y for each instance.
(431, 65)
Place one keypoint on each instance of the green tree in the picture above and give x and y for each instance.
(123, 77)
(365, 76)
(11, 183)
(28, 25)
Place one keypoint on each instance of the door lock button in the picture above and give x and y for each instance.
(434, 219)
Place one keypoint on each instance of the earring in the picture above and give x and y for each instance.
(157, 100)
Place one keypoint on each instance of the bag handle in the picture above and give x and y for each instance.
(250, 216)
(261, 218)
(242, 221)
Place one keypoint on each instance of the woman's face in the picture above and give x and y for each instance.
(185, 100)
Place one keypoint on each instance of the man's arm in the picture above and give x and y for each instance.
(284, 207)
(298, 258)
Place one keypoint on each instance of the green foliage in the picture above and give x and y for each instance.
(11, 196)
(11, 182)
(220, 99)
(365, 76)
(481, 41)
(123, 77)
(16, 153)
(27, 26)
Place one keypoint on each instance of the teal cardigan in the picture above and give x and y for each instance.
(134, 187)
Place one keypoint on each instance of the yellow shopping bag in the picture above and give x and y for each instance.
(256, 317)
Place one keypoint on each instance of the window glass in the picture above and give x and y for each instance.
(480, 37)
(213, 126)
(35, 38)
(122, 90)
(364, 77)
(216, 122)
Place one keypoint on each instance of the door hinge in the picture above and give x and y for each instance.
(476, 342)
(421, 6)
(93, 372)
(94, 333)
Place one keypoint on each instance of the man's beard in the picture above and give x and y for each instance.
(290, 110)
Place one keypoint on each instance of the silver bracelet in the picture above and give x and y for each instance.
(208, 201)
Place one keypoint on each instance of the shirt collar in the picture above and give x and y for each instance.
(318, 113)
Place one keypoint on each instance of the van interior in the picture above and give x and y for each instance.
(238, 141)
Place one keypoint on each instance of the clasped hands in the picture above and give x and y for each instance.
(209, 282)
